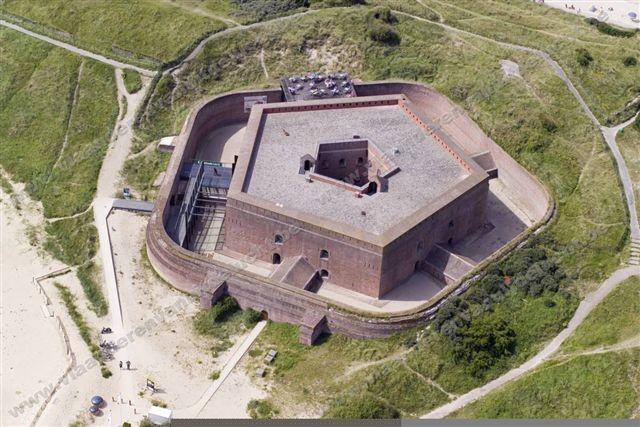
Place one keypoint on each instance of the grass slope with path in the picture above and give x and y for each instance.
(606, 83)
(595, 386)
(141, 31)
(576, 385)
(58, 112)
(614, 320)
(629, 144)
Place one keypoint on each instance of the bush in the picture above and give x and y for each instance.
(484, 341)
(106, 373)
(583, 57)
(630, 61)
(261, 409)
(92, 289)
(384, 34)
(609, 30)
(361, 406)
(214, 375)
(250, 317)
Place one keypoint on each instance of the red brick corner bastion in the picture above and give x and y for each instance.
(210, 279)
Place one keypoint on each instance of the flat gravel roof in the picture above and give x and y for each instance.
(426, 169)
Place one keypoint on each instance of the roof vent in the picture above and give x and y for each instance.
(363, 213)
(356, 136)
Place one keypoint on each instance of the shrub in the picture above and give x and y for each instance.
(630, 61)
(214, 375)
(92, 289)
(583, 57)
(361, 406)
(250, 317)
(609, 30)
(106, 373)
(484, 341)
(384, 34)
(261, 409)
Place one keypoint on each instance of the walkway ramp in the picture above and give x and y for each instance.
(446, 265)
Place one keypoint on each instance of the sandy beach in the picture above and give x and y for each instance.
(618, 16)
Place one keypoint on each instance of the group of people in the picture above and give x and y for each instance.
(128, 365)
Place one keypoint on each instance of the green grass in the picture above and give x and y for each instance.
(595, 386)
(48, 96)
(261, 409)
(89, 275)
(132, 80)
(142, 31)
(72, 184)
(73, 241)
(85, 330)
(615, 319)
(222, 321)
(606, 85)
(140, 172)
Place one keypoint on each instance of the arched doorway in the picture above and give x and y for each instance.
(324, 274)
(373, 188)
(417, 267)
(264, 315)
(275, 259)
(307, 165)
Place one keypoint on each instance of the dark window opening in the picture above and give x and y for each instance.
(342, 162)
(450, 224)
(360, 160)
(373, 188)
(264, 315)
(417, 266)
(279, 238)
(276, 259)
(324, 254)
(450, 241)
(307, 165)
(324, 274)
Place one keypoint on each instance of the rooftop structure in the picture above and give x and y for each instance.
(317, 86)
(363, 139)
(360, 181)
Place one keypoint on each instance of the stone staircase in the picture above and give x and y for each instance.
(634, 259)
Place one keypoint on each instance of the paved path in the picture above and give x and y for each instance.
(236, 355)
(77, 50)
(581, 313)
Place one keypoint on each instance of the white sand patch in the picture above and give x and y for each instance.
(618, 16)
(33, 353)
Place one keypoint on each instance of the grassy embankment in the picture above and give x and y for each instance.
(84, 328)
(58, 112)
(535, 119)
(606, 83)
(132, 81)
(601, 385)
(144, 32)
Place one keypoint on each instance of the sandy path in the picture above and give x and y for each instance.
(121, 139)
(24, 325)
(77, 50)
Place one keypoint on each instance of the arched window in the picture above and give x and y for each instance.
(279, 239)
(324, 254)
(324, 274)
(360, 160)
(276, 258)
(450, 224)
(342, 162)
(373, 188)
